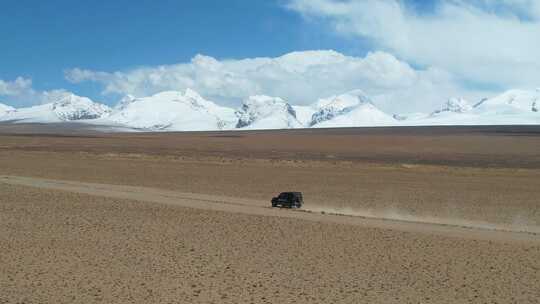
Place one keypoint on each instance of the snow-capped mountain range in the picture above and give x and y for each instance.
(265, 112)
(455, 105)
(353, 109)
(172, 111)
(188, 111)
(4, 109)
(59, 107)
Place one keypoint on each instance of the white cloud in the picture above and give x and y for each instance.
(300, 78)
(529, 9)
(20, 93)
(19, 86)
(495, 42)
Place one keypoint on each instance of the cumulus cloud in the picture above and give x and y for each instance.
(20, 93)
(493, 42)
(19, 86)
(299, 77)
(527, 9)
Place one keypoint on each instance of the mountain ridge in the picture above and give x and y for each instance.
(189, 111)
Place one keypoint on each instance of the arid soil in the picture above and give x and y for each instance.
(498, 146)
(243, 167)
(63, 247)
(58, 247)
(463, 229)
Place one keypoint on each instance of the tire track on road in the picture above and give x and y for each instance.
(261, 208)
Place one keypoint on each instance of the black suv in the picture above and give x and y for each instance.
(288, 200)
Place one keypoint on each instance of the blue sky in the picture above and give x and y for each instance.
(105, 49)
(40, 39)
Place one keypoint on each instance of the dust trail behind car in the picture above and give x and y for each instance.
(518, 225)
(238, 205)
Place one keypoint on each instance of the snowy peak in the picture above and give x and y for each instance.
(189, 111)
(343, 101)
(304, 114)
(69, 107)
(124, 102)
(455, 105)
(363, 115)
(513, 101)
(536, 103)
(4, 109)
(352, 109)
(195, 98)
(197, 101)
(172, 111)
(329, 108)
(410, 116)
(265, 112)
(59, 106)
(188, 98)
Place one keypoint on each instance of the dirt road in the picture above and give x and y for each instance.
(414, 174)
(426, 215)
(67, 247)
(437, 226)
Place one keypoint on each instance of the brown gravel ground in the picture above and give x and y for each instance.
(496, 195)
(489, 174)
(59, 247)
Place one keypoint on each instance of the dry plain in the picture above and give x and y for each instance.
(66, 246)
